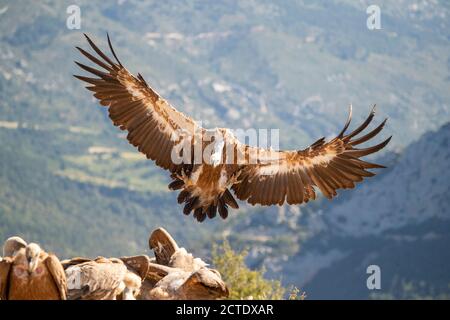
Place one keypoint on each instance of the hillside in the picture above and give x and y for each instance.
(292, 66)
(72, 217)
(400, 221)
(70, 180)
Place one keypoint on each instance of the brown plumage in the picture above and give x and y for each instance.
(163, 245)
(256, 175)
(12, 245)
(177, 274)
(32, 274)
(100, 279)
(179, 284)
(168, 253)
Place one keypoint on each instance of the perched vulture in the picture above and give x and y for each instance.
(31, 274)
(100, 279)
(179, 284)
(206, 164)
(168, 253)
(178, 275)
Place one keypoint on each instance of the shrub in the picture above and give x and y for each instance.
(243, 282)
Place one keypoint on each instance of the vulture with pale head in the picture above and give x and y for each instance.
(178, 284)
(177, 275)
(29, 273)
(206, 164)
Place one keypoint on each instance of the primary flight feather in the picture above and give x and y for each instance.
(256, 175)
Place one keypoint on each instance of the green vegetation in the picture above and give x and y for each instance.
(413, 290)
(129, 170)
(290, 65)
(243, 282)
(72, 217)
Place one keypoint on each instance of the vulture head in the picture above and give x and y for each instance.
(185, 260)
(30, 273)
(32, 253)
(12, 245)
(132, 286)
(178, 275)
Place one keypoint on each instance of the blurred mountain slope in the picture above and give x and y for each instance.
(290, 65)
(70, 180)
(400, 222)
(73, 218)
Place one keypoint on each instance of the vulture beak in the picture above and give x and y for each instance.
(32, 264)
(132, 284)
(32, 253)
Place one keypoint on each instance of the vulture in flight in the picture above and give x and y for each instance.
(29, 273)
(206, 164)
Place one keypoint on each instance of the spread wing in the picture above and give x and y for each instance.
(294, 175)
(5, 268)
(153, 125)
(56, 270)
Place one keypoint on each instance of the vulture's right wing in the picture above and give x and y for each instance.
(153, 125)
(5, 268)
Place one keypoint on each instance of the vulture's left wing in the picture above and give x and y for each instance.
(153, 125)
(292, 176)
(57, 271)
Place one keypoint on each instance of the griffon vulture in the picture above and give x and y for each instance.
(177, 274)
(167, 252)
(100, 279)
(206, 164)
(31, 274)
(179, 284)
